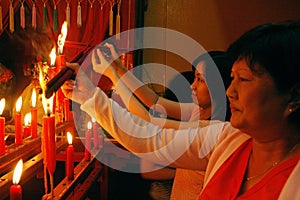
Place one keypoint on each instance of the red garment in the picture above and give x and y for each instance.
(226, 182)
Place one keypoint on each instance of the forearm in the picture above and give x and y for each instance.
(147, 140)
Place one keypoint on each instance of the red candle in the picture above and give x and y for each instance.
(60, 62)
(95, 133)
(70, 158)
(16, 189)
(48, 131)
(18, 122)
(2, 128)
(67, 109)
(33, 115)
(27, 127)
(87, 154)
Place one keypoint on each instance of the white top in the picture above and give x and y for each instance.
(196, 148)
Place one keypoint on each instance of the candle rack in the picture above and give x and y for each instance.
(85, 172)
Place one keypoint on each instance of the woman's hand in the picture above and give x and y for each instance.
(101, 65)
(80, 90)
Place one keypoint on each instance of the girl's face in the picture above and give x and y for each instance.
(200, 92)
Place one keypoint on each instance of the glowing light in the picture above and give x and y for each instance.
(2, 105)
(69, 137)
(47, 104)
(62, 37)
(89, 125)
(18, 172)
(52, 56)
(19, 104)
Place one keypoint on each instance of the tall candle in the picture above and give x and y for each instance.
(87, 154)
(48, 131)
(27, 126)
(16, 189)
(2, 128)
(18, 122)
(60, 59)
(33, 114)
(70, 158)
(95, 133)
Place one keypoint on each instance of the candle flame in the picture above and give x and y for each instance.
(62, 37)
(19, 104)
(18, 172)
(2, 105)
(27, 119)
(93, 120)
(33, 98)
(52, 56)
(89, 125)
(47, 104)
(69, 137)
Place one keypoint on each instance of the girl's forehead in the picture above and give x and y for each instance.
(200, 68)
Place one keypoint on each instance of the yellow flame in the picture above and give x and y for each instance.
(19, 104)
(52, 56)
(33, 98)
(62, 37)
(18, 172)
(47, 104)
(2, 105)
(27, 119)
(69, 137)
(93, 120)
(89, 125)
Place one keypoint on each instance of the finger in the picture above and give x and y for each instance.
(100, 55)
(94, 62)
(74, 66)
(112, 50)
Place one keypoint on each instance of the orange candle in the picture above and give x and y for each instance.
(95, 129)
(87, 154)
(60, 62)
(16, 189)
(2, 128)
(27, 126)
(70, 158)
(33, 115)
(48, 131)
(18, 122)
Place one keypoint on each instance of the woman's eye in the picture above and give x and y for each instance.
(242, 79)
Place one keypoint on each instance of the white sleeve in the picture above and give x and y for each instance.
(179, 148)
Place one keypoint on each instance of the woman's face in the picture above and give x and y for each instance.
(200, 92)
(255, 102)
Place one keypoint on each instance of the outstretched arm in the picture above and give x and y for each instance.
(146, 95)
(132, 104)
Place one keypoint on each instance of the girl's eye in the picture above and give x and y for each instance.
(242, 79)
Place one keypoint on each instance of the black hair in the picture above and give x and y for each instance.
(275, 48)
(217, 61)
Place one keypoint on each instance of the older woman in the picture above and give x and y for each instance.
(256, 155)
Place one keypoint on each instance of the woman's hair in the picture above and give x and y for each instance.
(275, 48)
(217, 62)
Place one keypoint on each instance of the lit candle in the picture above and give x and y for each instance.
(70, 158)
(87, 154)
(33, 114)
(2, 127)
(16, 189)
(95, 133)
(67, 109)
(27, 126)
(49, 134)
(18, 122)
(60, 59)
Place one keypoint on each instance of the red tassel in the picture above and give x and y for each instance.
(22, 16)
(33, 17)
